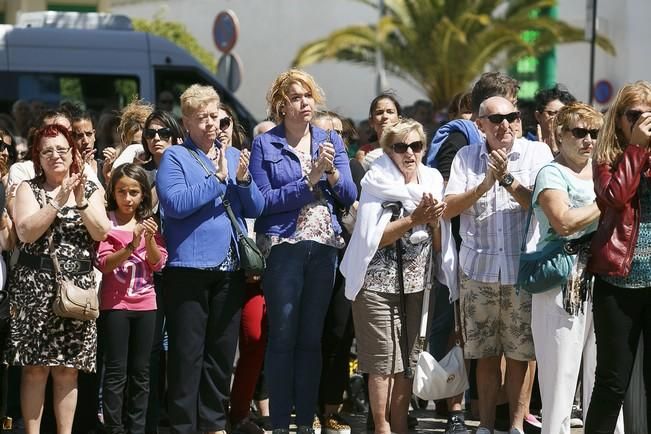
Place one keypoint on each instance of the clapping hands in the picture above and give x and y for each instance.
(428, 211)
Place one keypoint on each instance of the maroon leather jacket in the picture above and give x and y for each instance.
(616, 186)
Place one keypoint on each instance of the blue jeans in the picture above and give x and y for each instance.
(297, 286)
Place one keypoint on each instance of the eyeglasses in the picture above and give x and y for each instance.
(580, 133)
(633, 115)
(163, 133)
(224, 123)
(3, 145)
(401, 148)
(498, 118)
(49, 153)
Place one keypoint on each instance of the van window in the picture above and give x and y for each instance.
(92, 91)
(176, 80)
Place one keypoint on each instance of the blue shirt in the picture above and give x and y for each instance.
(198, 231)
(277, 171)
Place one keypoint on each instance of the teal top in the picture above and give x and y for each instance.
(640, 275)
(580, 192)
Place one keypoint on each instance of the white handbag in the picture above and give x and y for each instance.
(443, 379)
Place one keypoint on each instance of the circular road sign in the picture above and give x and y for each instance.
(603, 91)
(229, 71)
(225, 30)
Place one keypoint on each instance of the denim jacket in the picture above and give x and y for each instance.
(197, 229)
(276, 170)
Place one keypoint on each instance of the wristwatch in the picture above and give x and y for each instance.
(507, 180)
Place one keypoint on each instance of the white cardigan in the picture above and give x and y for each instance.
(384, 182)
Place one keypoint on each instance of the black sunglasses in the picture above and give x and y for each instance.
(3, 145)
(163, 133)
(401, 148)
(498, 118)
(580, 133)
(224, 123)
(633, 115)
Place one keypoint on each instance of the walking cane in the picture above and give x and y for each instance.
(395, 208)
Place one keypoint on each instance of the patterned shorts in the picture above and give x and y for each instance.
(495, 321)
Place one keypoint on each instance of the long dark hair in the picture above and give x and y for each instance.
(168, 121)
(137, 173)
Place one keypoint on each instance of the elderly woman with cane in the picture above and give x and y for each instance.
(401, 201)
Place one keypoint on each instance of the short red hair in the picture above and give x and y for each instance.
(54, 130)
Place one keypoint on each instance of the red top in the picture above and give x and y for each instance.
(616, 186)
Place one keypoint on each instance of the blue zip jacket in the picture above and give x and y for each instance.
(277, 171)
(198, 231)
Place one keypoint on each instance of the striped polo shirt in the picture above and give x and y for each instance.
(491, 230)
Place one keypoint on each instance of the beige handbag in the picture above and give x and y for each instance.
(71, 301)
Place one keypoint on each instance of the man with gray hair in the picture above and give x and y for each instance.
(490, 187)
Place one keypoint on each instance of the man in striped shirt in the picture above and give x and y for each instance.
(490, 188)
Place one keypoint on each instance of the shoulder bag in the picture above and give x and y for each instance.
(251, 258)
(442, 379)
(543, 270)
(70, 301)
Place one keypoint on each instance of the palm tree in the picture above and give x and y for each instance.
(441, 46)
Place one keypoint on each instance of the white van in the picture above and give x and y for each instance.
(96, 59)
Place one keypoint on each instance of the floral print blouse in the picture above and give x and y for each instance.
(314, 221)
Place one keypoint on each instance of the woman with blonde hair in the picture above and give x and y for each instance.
(303, 175)
(370, 267)
(203, 282)
(620, 252)
(564, 205)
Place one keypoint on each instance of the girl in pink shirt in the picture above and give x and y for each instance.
(127, 258)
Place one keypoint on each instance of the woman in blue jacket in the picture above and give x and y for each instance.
(304, 176)
(202, 282)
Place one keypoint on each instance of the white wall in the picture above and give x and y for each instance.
(626, 24)
(271, 32)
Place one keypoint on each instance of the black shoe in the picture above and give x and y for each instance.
(264, 422)
(456, 425)
(412, 421)
(370, 423)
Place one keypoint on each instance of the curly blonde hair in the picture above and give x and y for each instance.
(132, 120)
(611, 142)
(278, 96)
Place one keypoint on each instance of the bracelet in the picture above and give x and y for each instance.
(82, 207)
(310, 186)
(130, 247)
(330, 172)
(55, 206)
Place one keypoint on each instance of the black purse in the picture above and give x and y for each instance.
(251, 258)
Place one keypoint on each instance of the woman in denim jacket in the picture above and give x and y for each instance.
(304, 176)
(203, 284)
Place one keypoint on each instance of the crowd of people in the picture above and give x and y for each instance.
(356, 229)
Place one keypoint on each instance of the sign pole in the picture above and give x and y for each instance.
(593, 43)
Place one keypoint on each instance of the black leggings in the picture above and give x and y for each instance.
(335, 346)
(620, 315)
(127, 337)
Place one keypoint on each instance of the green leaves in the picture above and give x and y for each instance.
(441, 46)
